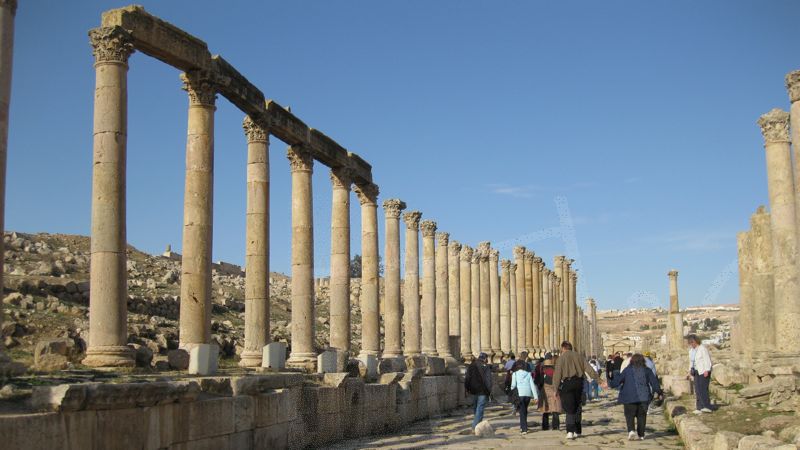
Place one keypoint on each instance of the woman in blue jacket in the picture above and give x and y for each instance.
(637, 384)
(522, 380)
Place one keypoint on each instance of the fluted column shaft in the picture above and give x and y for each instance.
(512, 299)
(370, 279)
(256, 280)
(519, 260)
(392, 320)
(465, 286)
(108, 334)
(505, 307)
(411, 313)
(340, 260)
(303, 354)
(494, 288)
(475, 294)
(775, 128)
(486, 299)
(442, 296)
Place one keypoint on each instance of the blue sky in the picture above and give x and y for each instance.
(503, 121)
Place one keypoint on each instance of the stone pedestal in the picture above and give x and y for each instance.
(519, 260)
(203, 359)
(303, 356)
(411, 301)
(442, 297)
(256, 287)
(274, 356)
(428, 307)
(340, 260)
(370, 288)
(392, 317)
(465, 288)
(108, 334)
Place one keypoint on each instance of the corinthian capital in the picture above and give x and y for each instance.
(519, 252)
(454, 248)
(109, 44)
(529, 256)
(412, 219)
(466, 253)
(253, 131)
(300, 158)
(442, 238)
(367, 193)
(341, 178)
(793, 85)
(428, 228)
(393, 207)
(483, 250)
(775, 126)
(673, 273)
(199, 84)
(539, 262)
(505, 264)
(494, 255)
(558, 261)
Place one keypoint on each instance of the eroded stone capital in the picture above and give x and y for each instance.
(483, 250)
(367, 193)
(793, 85)
(341, 178)
(412, 219)
(494, 255)
(538, 261)
(775, 126)
(428, 228)
(442, 238)
(300, 158)
(529, 256)
(109, 44)
(466, 253)
(673, 273)
(392, 208)
(11, 4)
(519, 252)
(200, 86)
(573, 276)
(454, 248)
(505, 264)
(253, 131)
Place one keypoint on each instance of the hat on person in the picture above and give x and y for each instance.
(483, 356)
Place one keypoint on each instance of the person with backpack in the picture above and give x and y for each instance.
(478, 382)
(637, 385)
(522, 381)
(549, 403)
(511, 392)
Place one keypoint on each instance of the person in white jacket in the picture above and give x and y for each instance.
(700, 372)
(522, 380)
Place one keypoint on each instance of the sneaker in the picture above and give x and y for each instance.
(641, 438)
(571, 435)
(524, 432)
(632, 436)
(706, 410)
(697, 411)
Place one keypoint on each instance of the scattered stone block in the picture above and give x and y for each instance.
(53, 354)
(335, 379)
(274, 356)
(178, 359)
(757, 442)
(391, 378)
(391, 365)
(64, 397)
(434, 366)
(331, 361)
(203, 359)
(727, 440)
(757, 390)
(484, 429)
(727, 375)
(782, 396)
(776, 423)
(144, 356)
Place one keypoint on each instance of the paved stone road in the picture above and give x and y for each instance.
(604, 427)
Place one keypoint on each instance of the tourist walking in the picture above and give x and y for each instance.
(700, 373)
(522, 381)
(478, 382)
(511, 392)
(510, 362)
(637, 385)
(549, 403)
(594, 385)
(570, 371)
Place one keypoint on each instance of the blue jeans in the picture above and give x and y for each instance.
(595, 389)
(480, 404)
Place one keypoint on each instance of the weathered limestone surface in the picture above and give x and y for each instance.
(519, 255)
(535, 320)
(675, 318)
(528, 269)
(340, 260)
(475, 295)
(392, 317)
(370, 279)
(411, 301)
(256, 291)
(494, 287)
(442, 296)
(465, 288)
(762, 282)
(484, 249)
(505, 312)
(428, 307)
(454, 288)
(775, 129)
(512, 299)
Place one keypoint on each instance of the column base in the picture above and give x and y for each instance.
(110, 356)
(430, 353)
(302, 361)
(251, 358)
(468, 358)
(391, 354)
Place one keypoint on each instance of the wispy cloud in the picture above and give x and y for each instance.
(694, 240)
(531, 190)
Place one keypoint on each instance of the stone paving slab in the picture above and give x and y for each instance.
(604, 427)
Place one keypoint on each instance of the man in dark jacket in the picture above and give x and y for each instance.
(478, 382)
(570, 370)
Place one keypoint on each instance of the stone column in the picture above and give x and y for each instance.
(198, 212)
(392, 319)
(442, 296)
(590, 303)
(494, 288)
(793, 87)
(556, 301)
(454, 289)
(370, 280)
(675, 325)
(303, 354)
(775, 128)
(562, 321)
(411, 317)
(540, 317)
(108, 331)
(536, 302)
(256, 263)
(547, 308)
(762, 282)
(743, 330)
(486, 299)
(519, 260)
(528, 269)
(465, 286)
(340, 260)
(428, 308)
(475, 295)
(505, 307)
(573, 301)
